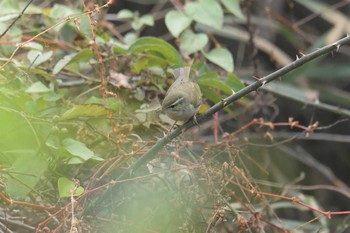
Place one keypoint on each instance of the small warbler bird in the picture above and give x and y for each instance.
(183, 97)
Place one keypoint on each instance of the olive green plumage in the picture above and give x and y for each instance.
(183, 97)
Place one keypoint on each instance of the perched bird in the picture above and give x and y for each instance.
(183, 97)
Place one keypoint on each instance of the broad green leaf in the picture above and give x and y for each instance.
(208, 12)
(85, 110)
(234, 7)
(191, 42)
(67, 187)
(156, 47)
(83, 55)
(125, 14)
(36, 57)
(221, 57)
(177, 22)
(38, 87)
(77, 148)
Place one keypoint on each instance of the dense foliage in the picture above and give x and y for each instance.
(80, 90)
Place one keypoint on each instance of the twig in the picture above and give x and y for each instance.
(22, 203)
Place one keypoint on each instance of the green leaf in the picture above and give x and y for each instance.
(208, 12)
(136, 24)
(9, 9)
(125, 14)
(38, 87)
(234, 7)
(147, 61)
(221, 57)
(85, 27)
(177, 22)
(36, 57)
(156, 47)
(77, 148)
(211, 79)
(66, 187)
(83, 55)
(233, 82)
(147, 20)
(85, 110)
(33, 46)
(210, 94)
(60, 11)
(191, 42)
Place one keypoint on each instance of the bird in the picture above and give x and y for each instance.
(183, 98)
